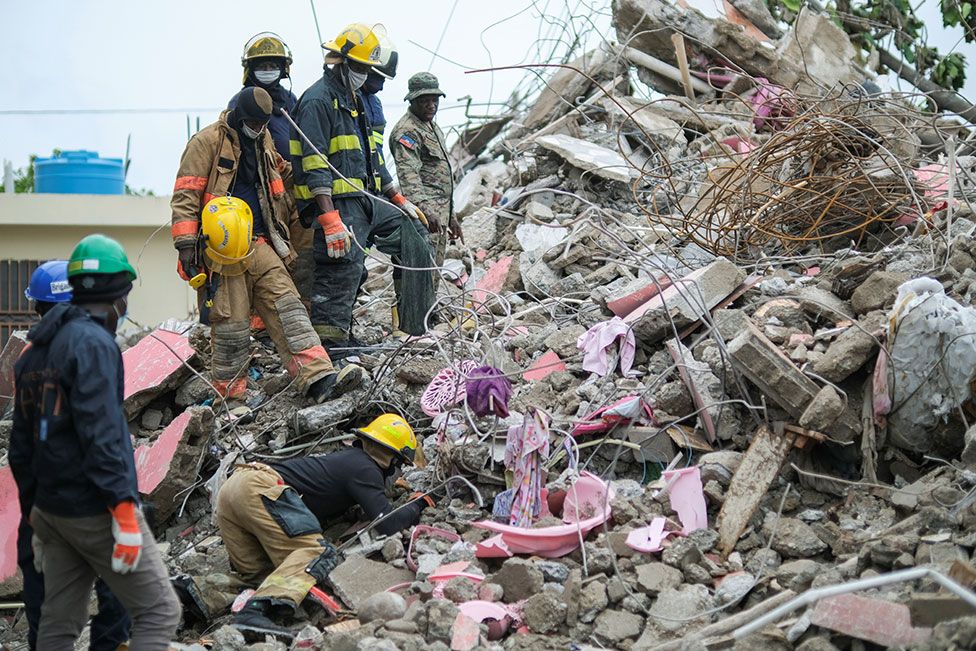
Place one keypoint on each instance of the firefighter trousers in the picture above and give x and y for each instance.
(266, 287)
(270, 534)
(337, 280)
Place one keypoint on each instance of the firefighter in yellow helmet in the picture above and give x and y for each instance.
(271, 517)
(230, 228)
(332, 115)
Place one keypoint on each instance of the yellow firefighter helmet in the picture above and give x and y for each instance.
(227, 226)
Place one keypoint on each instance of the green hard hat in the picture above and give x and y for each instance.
(423, 83)
(99, 254)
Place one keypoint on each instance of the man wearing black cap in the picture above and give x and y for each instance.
(236, 156)
(71, 456)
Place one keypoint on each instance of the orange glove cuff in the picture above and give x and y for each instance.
(424, 497)
(328, 219)
(125, 515)
(398, 199)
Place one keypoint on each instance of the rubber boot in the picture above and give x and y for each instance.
(337, 383)
(254, 622)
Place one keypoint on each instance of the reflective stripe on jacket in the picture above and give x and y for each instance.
(207, 170)
(334, 122)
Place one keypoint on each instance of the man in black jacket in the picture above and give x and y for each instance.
(71, 456)
(271, 517)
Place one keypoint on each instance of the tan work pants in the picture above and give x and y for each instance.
(266, 533)
(75, 551)
(267, 288)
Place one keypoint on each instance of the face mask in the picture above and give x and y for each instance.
(356, 79)
(249, 132)
(267, 77)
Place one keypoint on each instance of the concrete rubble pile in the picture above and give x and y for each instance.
(754, 390)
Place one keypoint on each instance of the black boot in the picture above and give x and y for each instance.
(337, 383)
(254, 622)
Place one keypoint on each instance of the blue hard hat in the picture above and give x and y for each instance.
(49, 283)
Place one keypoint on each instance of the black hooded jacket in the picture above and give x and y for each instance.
(70, 448)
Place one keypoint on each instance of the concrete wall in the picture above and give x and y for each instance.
(47, 226)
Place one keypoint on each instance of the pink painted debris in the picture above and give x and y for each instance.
(648, 539)
(152, 461)
(874, 620)
(587, 507)
(543, 367)
(498, 616)
(154, 359)
(465, 634)
(624, 306)
(9, 522)
(687, 498)
(492, 282)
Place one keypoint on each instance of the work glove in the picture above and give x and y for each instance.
(424, 499)
(187, 267)
(128, 538)
(38, 548)
(432, 224)
(337, 240)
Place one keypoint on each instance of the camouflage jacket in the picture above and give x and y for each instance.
(422, 166)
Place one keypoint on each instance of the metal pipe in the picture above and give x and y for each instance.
(812, 596)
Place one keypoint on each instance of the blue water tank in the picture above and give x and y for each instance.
(79, 172)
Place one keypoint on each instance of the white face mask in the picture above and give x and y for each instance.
(356, 79)
(249, 132)
(267, 76)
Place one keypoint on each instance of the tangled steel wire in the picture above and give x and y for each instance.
(824, 175)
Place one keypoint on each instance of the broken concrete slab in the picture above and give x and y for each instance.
(823, 48)
(563, 87)
(15, 345)
(927, 610)
(851, 350)
(328, 414)
(822, 304)
(152, 366)
(481, 229)
(873, 620)
(642, 117)
(170, 465)
(589, 157)
(823, 410)
(686, 301)
(357, 578)
(877, 292)
(765, 365)
(758, 468)
(538, 278)
(536, 239)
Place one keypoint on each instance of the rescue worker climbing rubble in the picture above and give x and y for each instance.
(72, 459)
(110, 626)
(271, 517)
(230, 197)
(422, 164)
(336, 194)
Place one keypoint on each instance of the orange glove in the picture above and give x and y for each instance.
(128, 538)
(426, 498)
(411, 209)
(337, 240)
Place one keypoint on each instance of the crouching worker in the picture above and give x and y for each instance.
(271, 517)
(71, 456)
(231, 187)
(110, 625)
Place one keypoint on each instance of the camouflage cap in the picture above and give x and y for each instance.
(422, 83)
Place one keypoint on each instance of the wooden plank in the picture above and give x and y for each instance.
(766, 455)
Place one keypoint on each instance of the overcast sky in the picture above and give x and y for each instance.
(180, 54)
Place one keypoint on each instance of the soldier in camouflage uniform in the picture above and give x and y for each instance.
(422, 164)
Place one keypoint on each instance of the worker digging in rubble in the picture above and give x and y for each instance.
(267, 61)
(271, 517)
(230, 200)
(72, 459)
(337, 194)
(422, 164)
(110, 625)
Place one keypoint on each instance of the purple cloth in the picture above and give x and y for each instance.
(488, 391)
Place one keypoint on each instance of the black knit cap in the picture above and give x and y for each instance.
(254, 103)
(99, 288)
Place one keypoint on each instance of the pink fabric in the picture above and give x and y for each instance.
(626, 410)
(596, 341)
(687, 498)
(881, 404)
(446, 389)
(527, 445)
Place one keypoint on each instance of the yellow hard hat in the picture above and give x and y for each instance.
(358, 43)
(393, 432)
(266, 45)
(227, 223)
